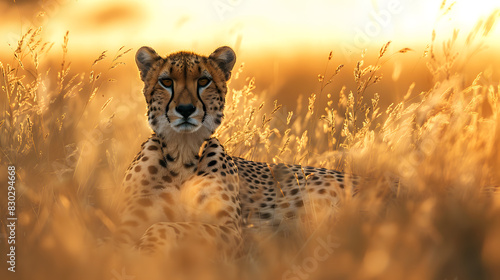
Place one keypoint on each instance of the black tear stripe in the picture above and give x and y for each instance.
(219, 91)
(168, 104)
(171, 95)
(204, 107)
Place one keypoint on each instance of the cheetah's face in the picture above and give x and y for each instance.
(185, 91)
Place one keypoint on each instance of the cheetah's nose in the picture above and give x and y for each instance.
(185, 110)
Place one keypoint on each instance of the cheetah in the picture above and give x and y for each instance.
(183, 187)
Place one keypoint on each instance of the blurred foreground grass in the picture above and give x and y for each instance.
(71, 141)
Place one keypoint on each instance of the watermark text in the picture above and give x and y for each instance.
(11, 218)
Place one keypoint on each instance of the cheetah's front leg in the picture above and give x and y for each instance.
(212, 208)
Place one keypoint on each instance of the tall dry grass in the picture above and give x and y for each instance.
(71, 142)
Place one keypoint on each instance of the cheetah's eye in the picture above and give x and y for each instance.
(167, 83)
(203, 82)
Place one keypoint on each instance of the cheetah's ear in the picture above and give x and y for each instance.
(145, 57)
(225, 58)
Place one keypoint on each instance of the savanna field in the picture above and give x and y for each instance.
(427, 138)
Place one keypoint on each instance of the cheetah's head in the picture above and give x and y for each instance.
(185, 92)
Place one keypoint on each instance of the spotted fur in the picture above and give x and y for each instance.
(275, 193)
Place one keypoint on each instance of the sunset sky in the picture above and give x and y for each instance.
(244, 24)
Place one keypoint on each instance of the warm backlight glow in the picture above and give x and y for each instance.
(283, 25)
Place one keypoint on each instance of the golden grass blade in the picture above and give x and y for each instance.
(106, 103)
